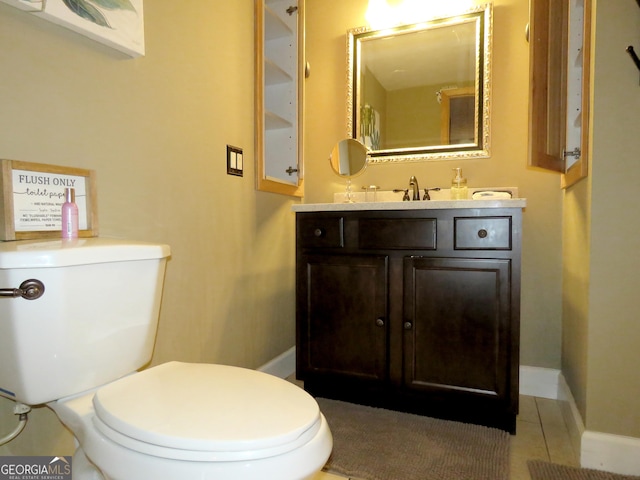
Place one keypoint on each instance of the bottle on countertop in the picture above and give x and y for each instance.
(69, 215)
(459, 189)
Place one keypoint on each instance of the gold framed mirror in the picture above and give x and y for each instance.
(423, 91)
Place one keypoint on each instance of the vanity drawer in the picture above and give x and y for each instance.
(321, 232)
(482, 233)
(396, 233)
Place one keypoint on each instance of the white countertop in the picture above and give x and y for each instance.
(411, 205)
(392, 200)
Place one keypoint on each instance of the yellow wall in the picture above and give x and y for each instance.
(155, 129)
(325, 124)
(601, 326)
(575, 275)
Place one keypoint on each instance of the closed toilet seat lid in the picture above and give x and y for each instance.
(206, 412)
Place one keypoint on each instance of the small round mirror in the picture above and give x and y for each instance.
(348, 157)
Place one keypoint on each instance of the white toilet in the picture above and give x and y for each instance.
(73, 338)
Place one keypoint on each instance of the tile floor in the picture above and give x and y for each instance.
(541, 434)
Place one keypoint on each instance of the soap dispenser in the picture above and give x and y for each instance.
(458, 185)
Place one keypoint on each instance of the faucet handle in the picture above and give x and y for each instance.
(405, 197)
(427, 190)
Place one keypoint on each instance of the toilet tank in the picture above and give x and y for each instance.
(95, 322)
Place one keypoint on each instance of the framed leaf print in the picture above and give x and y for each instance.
(116, 23)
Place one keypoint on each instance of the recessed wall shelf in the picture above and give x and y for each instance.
(274, 25)
(274, 75)
(279, 50)
(275, 122)
(559, 102)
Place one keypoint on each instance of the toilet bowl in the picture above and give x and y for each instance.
(78, 347)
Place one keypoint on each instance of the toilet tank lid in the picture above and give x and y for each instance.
(81, 251)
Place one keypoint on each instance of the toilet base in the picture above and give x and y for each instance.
(83, 469)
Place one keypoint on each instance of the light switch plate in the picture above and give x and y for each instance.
(235, 163)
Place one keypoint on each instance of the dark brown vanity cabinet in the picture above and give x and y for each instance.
(413, 310)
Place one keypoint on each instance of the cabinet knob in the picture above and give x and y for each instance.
(482, 233)
(318, 232)
(380, 322)
(408, 325)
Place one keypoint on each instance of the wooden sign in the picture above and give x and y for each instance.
(32, 195)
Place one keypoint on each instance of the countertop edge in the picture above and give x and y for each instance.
(418, 205)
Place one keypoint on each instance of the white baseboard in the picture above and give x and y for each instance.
(571, 415)
(283, 365)
(598, 451)
(534, 381)
(539, 382)
(613, 453)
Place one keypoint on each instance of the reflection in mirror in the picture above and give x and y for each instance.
(457, 125)
(422, 92)
(348, 159)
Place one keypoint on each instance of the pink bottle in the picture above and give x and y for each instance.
(69, 214)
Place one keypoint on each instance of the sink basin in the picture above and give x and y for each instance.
(384, 196)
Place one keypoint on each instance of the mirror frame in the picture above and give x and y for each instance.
(483, 14)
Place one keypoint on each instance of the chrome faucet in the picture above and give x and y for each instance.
(413, 183)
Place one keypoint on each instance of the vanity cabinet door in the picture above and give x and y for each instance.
(342, 317)
(457, 318)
